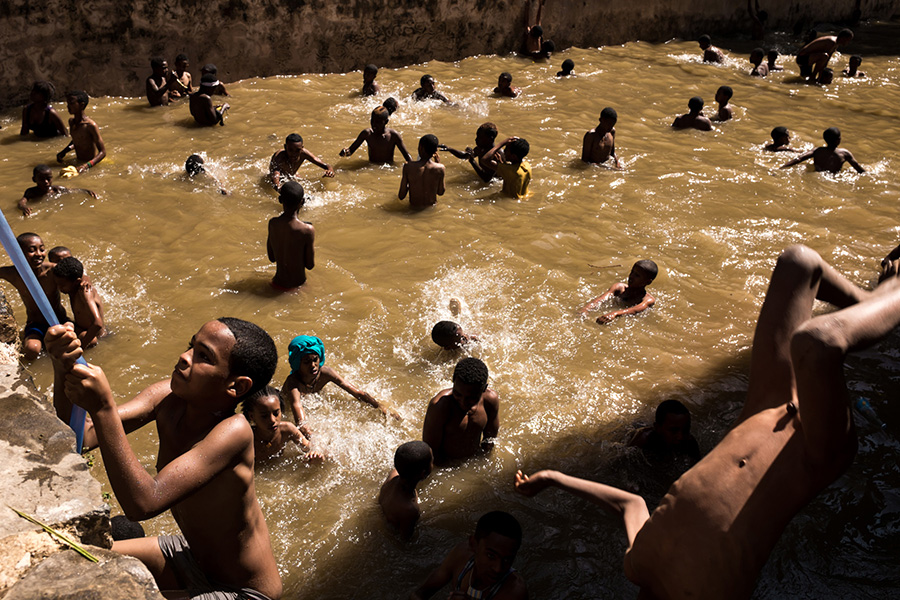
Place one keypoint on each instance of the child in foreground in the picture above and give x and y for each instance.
(632, 294)
(398, 499)
(306, 355)
(511, 166)
(87, 305)
(42, 175)
(204, 471)
(264, 411)
(828, 157)
(86, 139)
(423, 179)
(290, 241)
(482, 566)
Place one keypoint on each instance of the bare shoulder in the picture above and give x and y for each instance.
(513, 588)
(290, 430)
(328, 375)
(290, 383)
(436, 402)
(491, 399)
(232, 434)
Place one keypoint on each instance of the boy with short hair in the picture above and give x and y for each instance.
(516, 173)
(711, 54)
(450, 336)
(756, 59)
(391, 105)
(505, 86)
(397, 497)
(290, 241)
(460, 421)
(482, 566)
(180, 82)
(370, 86)
(723, 96)
(423, 179)
(632, 294)
(306, 355)
(193, 166)
(852, 68)
(35, 325)
(484, 141)
(201, 104)
(534, 33)
(158, 82)
(825, 77)
(670, 436)
(828, 157)
(284, 163)
(39, 116)
(87, 305)
(814, 56)
(568, 66)
(86, 140)
(217, 88)
(427, 91)
(379, 138)
(780, 140)
(42, 175)
(57, 253)
(600, 143)
(694, 119)
(204, 471)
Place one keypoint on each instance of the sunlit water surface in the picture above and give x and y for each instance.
(711, 209)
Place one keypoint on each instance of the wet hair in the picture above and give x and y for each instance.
(254, 354)
(444, 333)
(499, 522)
(471, 371)
(429, 144)
(370, 68)
(609, 113)
(425, 78)
(704, 40)
(291, 194)
(536, 31)
(649, 267)
(45, 89)
(23, 238)
(726, 89)
(568, 65)
(208, 80)
(381, 112)
(209, 68)
(827, 73)
(505, 76)
(488, 129)
(293, 138)
(69, 268)
(832, 136)
(122, 528)
(391, 105)
(56, 251)
(845, 34)
(779, 132)
(670, 407)
(157, 61)
(412, 459)
(79, 96)
(519, 147)
(194, 165)
(695, 103)
(181, 58)
(548, 46)
(857, 58)
(251, 401)
(41, 169)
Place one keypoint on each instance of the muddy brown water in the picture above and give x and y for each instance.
(711, 209)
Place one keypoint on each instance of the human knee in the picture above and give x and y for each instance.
(818, 342)
(799, 257)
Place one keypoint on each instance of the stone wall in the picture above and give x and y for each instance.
(104, 46)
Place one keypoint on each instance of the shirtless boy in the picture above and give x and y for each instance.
(290, 241)
(158, 82)
(460, 421)
(695, 118)
(370, 87)
(380, 139)
(771, 59)
(427, 91)
(397, 497)
(568, 66)
(713, 531)
(204, 471)
(711, 54)
(723, 96)
(510, 165)
(284, 163)
(35, 325)
(194, 168)
(423, 179)
(450, 336)
(633, 294)
(484, 141)
(482, 566)
(814, 56)
(534, 34)
(264, 410)
(86, 140)
(600, 142)
(217, 88)
(202, 108)
(42, 175)
(180, 82)
(505, 87)
(670, 436)
(852, 69)
(306, 355)
(828, 157)
(756, 59)
(38, 116)
(780, 141)
(87, 305)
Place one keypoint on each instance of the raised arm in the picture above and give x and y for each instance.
(491, 158)
(798, 160)
(630, 507)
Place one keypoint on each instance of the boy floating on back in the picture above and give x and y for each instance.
(632, 294)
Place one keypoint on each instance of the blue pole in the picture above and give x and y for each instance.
(76, 420)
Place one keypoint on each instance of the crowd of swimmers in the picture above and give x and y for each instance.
(205, 471)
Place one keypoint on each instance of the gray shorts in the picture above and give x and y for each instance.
(177, 553)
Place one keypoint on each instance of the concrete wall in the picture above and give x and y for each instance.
(104, 46)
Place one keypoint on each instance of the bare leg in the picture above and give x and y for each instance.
(800, 277)
(147, 551)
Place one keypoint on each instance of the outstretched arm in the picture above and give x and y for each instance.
(647, 302)
(359, 394)
(849, 158)
(363, 136)
(798, 160)
(630, 507)
(329, 172)
(593, 304)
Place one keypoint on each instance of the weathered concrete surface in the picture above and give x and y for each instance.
(69, 576)
(104, 46)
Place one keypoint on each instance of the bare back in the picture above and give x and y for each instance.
(380, 145)
(290, 247)
(424, 180)
(597, 146)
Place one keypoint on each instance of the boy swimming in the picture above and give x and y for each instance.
(264, 411)
(780, 141)
(194, 168)
(379, 138)
(599, 144)
(42, 175)
(852, 69)
(632, 294)
(423, 179)
(450, 336)
(87, 305)
(86, 139)
(397, 497)
(828, 157)
(723, 96)
(568, 68)
(290, 243)
(427, 91)
(695, 118)
(370, 87)
(284, 163)
(511, 166)
(505, 87)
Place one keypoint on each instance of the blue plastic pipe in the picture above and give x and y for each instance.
(76, 420)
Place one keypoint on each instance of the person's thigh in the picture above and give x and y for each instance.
(148, 552)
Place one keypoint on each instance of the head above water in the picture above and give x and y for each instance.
(370, 71)
(44, 89)
(486, 134)
(705, 41)
(506, 77)
(78, 96)
(780, 134)
(293, 138)
(536, 31)
(251, 401)
(181, 59)
(41, 170)
(413, 461)
(302, 345)
(208, 80)
(501, 523)
(57, 253)
(695, 104)
(757, 55)
(448, 335)
(157, 63)
(428, 145)
(844, 36)
(69, 268)
(609, 114)
(548, 47)
(380, 116)
(291, 195)
(253, 355)
(832, 137)
(855, 60)
(391, 105)
(517, 150)
(724, 93)
(673, 422)
(471, 372)
(643, 272)
(772, 56)
(194, 165)
(568, 65)
(209, 69)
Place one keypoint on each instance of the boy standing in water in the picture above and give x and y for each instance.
(756, 59)
(600, 143)
(180, 82)
(511, 166)
(484, 141)
(460, 421)
(712, 533)
(35, 325)
(828, 157)
(86, 140)
(284, 163)
(398, 499)
(290, 241)
(380, 139)
(633, 294)
(42, 175)
(780, 140)
(723, 96)
(201, 104)
(217, 88)
(423, 179)
(693, 119)
(158, 82)
(87, 305)
(482, 566)
(370, 86)
(204, 471)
